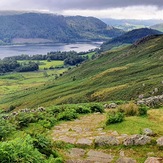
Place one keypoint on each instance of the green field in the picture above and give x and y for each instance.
(11, 83)
(45, 64)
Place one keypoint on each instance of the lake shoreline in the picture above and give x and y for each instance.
(44, 48)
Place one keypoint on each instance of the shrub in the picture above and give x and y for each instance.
(96, 108)
(44, 146)
(5, 128)
(11, 108)
(129, 109)
(83, 110)
(48, 122)
(68, 114)
(24, 119)
(20, 150)
(115, 117)
(143, 110)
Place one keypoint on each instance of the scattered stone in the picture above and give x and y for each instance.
(137, 140)
(77, 152)
(106, 141)
(148, 132)
(141, 96)
(84, 142)
(122, 153)
(125, 160)
(96, 156)
(41, 109)
(151, 101)
(160, 141)
(112, 105)
(153, 160)
(115, 133)
(105, 106)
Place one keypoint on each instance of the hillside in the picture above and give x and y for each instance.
(129, 38)
(121, 74)
(24, 27)
(158, 27)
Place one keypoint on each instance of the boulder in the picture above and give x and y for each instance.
(112, 105)
(148, 132)
(153, 160)
(125, 160)
(77, 152)
(106, 141)
(160, 141)
(137, 140)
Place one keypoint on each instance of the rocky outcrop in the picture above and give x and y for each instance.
(151, 101)
(110, 106)
(148, 132)
(106, 141)
(160, 141)
(137, 140)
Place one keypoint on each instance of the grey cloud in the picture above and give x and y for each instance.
(101, 4)
(75, 4)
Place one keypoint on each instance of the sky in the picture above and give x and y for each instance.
(116, 9)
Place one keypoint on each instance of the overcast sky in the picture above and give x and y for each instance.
(119, 9)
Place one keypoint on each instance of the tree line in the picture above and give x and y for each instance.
(13, 65)
(70, 58)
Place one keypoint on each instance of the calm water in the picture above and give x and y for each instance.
(12, 50)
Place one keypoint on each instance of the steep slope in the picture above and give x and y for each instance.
(56, 28)
(121, 74)
(129, 37)
(158, 27)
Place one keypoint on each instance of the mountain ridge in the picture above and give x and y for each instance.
(57, 28)
(129, 38)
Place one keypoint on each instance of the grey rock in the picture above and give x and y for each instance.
(137, 140)
(148, 132)
(106, 141)
(112, 105)
(160, 141)
(151, 101)
(84, 142)
(122, 153)
(125, 160)
(77, 152)
(153, 160)
(97, 156)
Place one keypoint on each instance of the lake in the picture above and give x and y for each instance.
(31, 49)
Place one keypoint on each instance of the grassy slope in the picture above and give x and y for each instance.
(121, 74)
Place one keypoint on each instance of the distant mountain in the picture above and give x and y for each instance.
(158, 27)
(131, 24)
(129, 38)
(38, 27)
